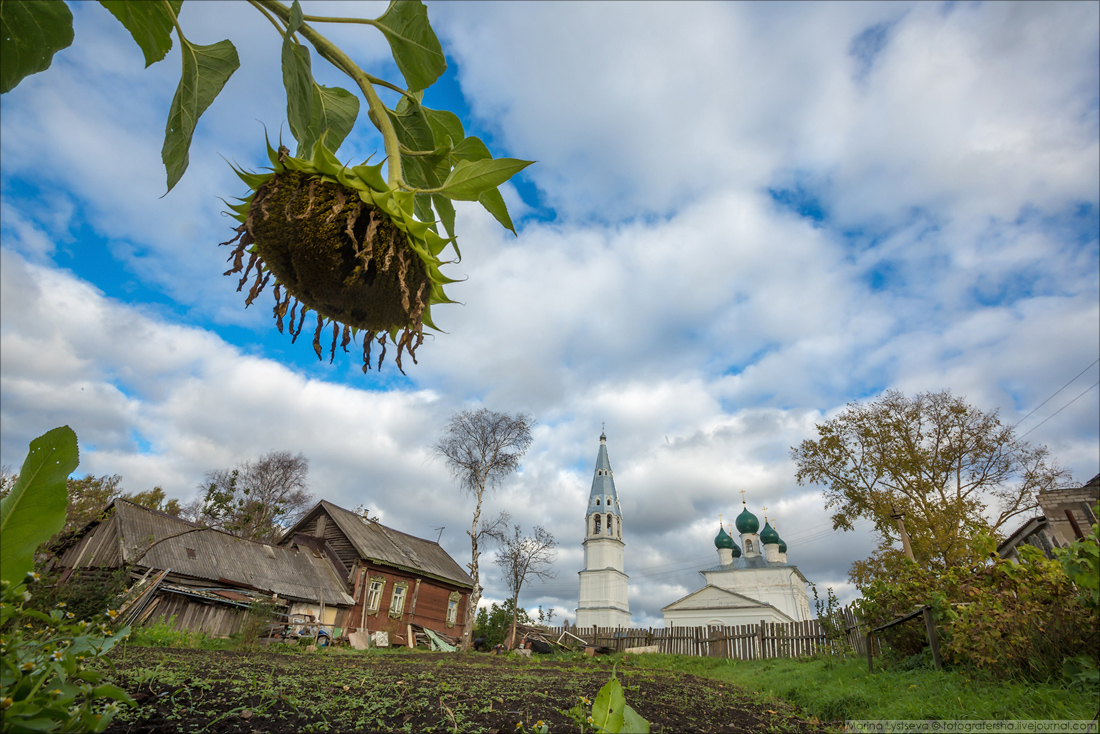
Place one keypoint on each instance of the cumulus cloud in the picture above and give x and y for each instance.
(747, 216)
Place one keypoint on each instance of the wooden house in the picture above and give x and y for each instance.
(208, 578)
(396, 579)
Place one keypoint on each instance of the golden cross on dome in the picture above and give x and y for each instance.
(719, 520)
(742, 496)
(765, 515)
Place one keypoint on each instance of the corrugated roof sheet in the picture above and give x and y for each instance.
(154, 539)
(381, 544)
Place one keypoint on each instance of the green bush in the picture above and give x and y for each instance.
(45, 680)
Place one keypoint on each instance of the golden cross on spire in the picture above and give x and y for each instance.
(742, 496)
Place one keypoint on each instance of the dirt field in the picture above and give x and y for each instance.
(197, 690)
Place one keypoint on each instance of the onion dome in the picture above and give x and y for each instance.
(782, 546)
(736, 550)
(747, 522)
(768, 535)
(723, 540)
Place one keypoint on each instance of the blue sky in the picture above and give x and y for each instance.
(742, 217)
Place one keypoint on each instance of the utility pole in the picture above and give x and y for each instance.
(900, 517)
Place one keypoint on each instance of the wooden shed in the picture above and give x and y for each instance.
(212, 575)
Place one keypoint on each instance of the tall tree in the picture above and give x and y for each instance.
(522, 557)
(258, 499)
(481, 448)
(953, 471)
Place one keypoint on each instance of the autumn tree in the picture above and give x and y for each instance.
(522, 557)
(951, 469)
(256, 500)
(481, 448)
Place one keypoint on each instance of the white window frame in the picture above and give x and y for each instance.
(374, 594)
(397, 598)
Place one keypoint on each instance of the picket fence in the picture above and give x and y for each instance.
(739, 642)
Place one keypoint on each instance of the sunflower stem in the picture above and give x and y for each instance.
(379, 115)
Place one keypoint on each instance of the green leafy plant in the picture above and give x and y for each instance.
(360, 250)
(608, 713)
(45, 680)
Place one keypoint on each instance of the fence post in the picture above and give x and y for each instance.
(760, 634)
(932, 641)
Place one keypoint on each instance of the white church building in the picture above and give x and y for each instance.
(747, 586)
(603, 598)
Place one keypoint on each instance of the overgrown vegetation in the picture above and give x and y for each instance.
(1002, 617)
(48, 680)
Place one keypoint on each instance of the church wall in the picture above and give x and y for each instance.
(728, 617)
(780, 587)
(603, 554)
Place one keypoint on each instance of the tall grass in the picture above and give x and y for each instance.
(835, 690)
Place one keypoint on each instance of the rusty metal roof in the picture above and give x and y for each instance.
(380, 544)
(157, 540)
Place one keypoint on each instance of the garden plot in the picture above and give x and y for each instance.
(222, 691)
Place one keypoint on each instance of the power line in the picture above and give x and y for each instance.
(1063, 387)
(1071, 402)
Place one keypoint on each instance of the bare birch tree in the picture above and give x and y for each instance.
(481, 448)
(524, 557)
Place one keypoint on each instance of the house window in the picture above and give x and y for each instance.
(452, 608)
(397, 601)
(374, 593)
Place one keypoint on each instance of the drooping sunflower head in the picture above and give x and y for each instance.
(340, 242)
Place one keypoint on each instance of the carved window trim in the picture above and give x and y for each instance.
(397, 600)
(452, 608)
(374, 594)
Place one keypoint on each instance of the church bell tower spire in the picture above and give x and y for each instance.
(603, 593)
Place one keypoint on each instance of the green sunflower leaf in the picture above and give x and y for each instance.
(333, 116)
(150, 23)
(471, 149)
(470, 179)
(445, 125)
(298, 81)
(206, 69)
(446, 211)
(494, 204)
(35, 508)
(32, 32)
(414, 45)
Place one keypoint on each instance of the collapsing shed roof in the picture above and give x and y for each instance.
(156, 540)
(380, 544)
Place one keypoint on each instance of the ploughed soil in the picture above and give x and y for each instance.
(337, 691)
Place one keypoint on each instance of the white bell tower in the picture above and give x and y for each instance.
(603, 600)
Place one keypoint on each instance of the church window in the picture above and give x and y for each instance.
(748, 546)
(597, 501)
(609, 524)
(597, 525)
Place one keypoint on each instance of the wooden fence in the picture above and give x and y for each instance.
(740, 642)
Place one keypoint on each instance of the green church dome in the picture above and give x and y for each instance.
(736, 550)
(747, 522)
(723, 540)
(768, 535)
(782, 546)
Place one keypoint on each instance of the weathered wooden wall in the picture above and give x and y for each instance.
(425, 606)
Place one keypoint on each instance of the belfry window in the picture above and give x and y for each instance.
(748, 546)
(597, 501)
(597, 525)
(609, 524)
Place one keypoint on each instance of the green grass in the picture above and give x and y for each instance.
(835, 690)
